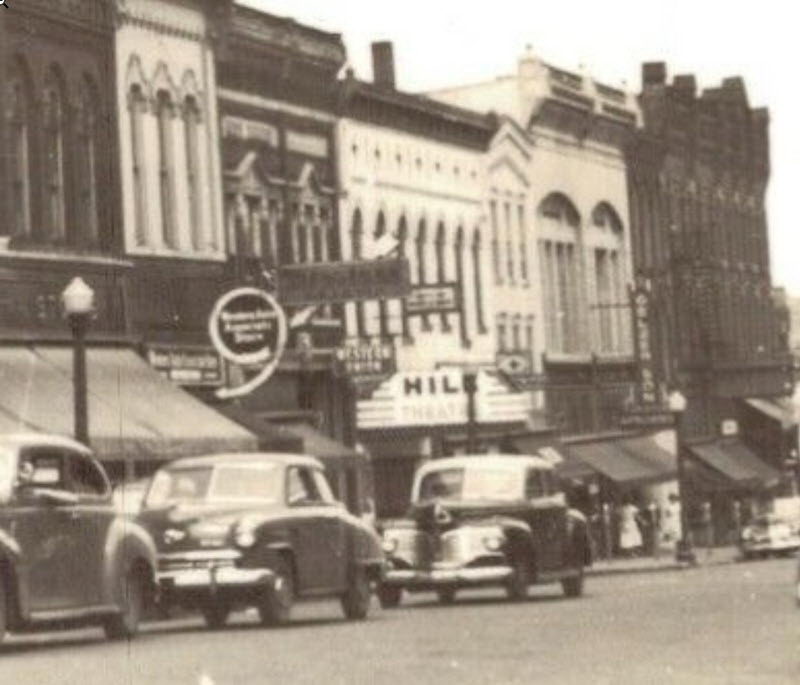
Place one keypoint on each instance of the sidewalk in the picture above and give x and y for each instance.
(664, 562)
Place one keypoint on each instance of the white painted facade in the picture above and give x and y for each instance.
(415, 181)
(169, 142)
(557, 214)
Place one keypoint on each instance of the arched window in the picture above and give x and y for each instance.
(357, 236)
(609, 278)
(495, 241)
(422, 237)
(383, 311)
(441, 270)
(86, 153)
(458, 254)
(137, 104)
(54, 121)
(477, 281)
(523, 243)
(165, 113)
(19, 107)
(191, 127)
(561, 269)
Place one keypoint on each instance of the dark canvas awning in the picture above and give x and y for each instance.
(633, 461)
(319, 445)
(134, 413)
(734, 460)
(778, 409)
(550, 447)
(271, 437)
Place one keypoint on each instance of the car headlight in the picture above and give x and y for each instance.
(173, 535)
(389, 545)
(493, 543)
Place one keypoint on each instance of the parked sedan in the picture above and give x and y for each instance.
(766, 535)
(66, 557)
(485, 520)
(256, 530)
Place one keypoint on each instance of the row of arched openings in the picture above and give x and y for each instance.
(52, 148)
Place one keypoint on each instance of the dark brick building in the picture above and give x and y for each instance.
(698, 174)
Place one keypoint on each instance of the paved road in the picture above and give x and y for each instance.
(727, 624)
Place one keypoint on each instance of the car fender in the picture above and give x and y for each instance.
(518, 534)
(578, 534)
(365, 546)
(127, 543)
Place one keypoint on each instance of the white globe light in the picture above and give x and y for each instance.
(78, 297)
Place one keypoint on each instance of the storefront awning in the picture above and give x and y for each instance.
(271, 437)
(134, 413)
(319, 445)
(631, 462)
(778, 409)
(546, 445)
(734, 460)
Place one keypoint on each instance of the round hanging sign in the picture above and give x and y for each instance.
(248, 327)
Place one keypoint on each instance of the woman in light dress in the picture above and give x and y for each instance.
(630, 535)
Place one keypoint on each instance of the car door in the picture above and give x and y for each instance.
(48, 529)
(308, 528)
(548, 517)
(95, 515)
(335, 533)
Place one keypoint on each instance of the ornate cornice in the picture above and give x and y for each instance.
(127, 15)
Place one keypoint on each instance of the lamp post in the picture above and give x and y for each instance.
(683, 549)
(471, 389)
(78, 301)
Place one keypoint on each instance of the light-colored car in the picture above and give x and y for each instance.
(66, 555)
(128, 497)
(485, 520)
(257, 530)
(768, 534)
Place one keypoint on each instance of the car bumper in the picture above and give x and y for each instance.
(214, 578)
(771, 546)
(450, 577)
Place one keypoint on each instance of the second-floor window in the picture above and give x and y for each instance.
(138, 107)
(191, 124)
(53, 120)
(18, 109)
(87, 180)
(166, 169)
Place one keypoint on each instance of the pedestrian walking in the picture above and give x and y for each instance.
(671, 522)
(630, 533)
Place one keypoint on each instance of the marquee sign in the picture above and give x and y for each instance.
(248, 327)
(647, 386)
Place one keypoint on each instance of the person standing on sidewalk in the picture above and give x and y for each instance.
(630, 534)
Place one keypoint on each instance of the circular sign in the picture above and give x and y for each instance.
(248, 327)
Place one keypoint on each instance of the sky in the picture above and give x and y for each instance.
(441, 43)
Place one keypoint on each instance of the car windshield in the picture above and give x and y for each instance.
(481, 483)
(220, 483)
(6, 475)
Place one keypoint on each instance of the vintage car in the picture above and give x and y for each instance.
(66, 556)
(485, 520)
(256, 530)
(768, 534)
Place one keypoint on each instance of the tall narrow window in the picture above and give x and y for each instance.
(509, 241)
(441, 270)
(53, 119)
(523, 244)
(458, 253)
(383, 309)
(529, 336)
(357, 236)
(516, 340)
(166, 169)
(19, 146)
(495, 241)
(402, 247)
(138, 106)
(477, 281)
(86, 148)
(422, 237)
(501, 334)
(191, 123)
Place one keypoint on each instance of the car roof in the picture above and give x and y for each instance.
(19, 441)
(466, 461)
(283, 458)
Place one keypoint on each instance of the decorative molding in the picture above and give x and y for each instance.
(160, 24)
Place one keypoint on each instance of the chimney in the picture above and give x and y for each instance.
(383, 64)
(654, 74)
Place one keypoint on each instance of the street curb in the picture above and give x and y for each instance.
(596, 572)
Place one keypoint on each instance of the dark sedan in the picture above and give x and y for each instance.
(257, 530)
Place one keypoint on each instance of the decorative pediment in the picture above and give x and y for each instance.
(248, 176)
(308, 181)
(504, 169)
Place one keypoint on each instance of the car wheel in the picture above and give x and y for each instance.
(355, 601)
(446, 595)
(276, 604)
(390, 596)
(125, 624)
(517, 584)
(215, 613)
(573, 586)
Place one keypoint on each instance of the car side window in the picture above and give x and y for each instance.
(551, 483)
(300, 486)
(42, 467)
(323, 487)
(535, 484)
(86, 477)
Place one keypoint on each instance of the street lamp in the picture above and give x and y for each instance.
(677, 406)
(78, 301)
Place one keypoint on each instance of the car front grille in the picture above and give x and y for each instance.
(195, 560)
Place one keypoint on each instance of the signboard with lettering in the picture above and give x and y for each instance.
(332, 282)
(248, 327)
(186, 365)
(438, 398)
(365, 359)
(433, 299)
(647, 385)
